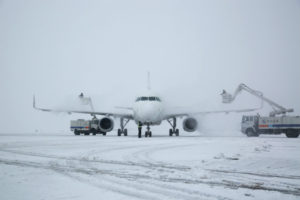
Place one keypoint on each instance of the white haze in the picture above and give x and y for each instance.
(193, 49)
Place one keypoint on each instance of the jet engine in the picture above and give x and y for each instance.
(106, 124)
(190, 124)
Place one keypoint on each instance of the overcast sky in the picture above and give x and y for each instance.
(193, 49)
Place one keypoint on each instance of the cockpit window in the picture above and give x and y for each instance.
(144, 98)
(152, 98)
(147, 99)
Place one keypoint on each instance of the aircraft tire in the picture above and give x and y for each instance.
(170, 132)
(177, 132)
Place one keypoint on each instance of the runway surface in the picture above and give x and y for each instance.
(186, 167)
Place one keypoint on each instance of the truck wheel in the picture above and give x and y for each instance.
(292, 134)
(251, 133)
(86, 133)
(76, 132)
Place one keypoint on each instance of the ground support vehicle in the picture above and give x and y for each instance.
(255, 125)
(86, 127)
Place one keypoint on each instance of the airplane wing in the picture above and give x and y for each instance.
(193, 113)
(120, 115)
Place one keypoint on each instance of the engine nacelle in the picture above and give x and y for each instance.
(106, 124)
(190, 124)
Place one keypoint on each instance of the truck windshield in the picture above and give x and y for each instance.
(245, 118)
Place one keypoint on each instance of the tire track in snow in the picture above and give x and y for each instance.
(223, 183)
(84, 159)
(149, 191)
(256, 174)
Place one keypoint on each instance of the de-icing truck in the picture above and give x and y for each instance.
(254, 125)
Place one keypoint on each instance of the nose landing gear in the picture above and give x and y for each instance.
(174, 130)
(148, 133)
(123, 130)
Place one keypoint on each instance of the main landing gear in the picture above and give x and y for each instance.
(123, 130)
(173, 130)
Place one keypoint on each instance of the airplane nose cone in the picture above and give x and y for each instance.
(148, 113)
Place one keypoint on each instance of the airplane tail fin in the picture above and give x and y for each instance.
(33, 103)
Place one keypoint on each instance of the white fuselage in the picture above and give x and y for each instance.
(148, 110)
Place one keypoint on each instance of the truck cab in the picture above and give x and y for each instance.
(249, 125)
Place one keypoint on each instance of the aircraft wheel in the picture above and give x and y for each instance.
(150, 134)
(104, 133)
(170, 132)
(125, 132)
(119, 132)
(177, 132)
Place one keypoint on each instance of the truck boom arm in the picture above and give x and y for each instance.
(278, 109)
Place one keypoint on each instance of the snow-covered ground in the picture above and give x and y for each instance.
(186, 167)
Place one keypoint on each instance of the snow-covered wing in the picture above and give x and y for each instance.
(113, 114)
(184, 114)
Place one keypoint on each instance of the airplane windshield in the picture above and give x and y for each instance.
(152, 98)
(144, 98)
(148, 99)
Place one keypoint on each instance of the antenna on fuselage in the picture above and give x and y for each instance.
(149, 83)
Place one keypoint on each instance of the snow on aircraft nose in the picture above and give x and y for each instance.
(148, 113)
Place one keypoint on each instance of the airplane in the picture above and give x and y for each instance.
(147, 110)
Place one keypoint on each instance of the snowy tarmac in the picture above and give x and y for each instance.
(162, 167)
